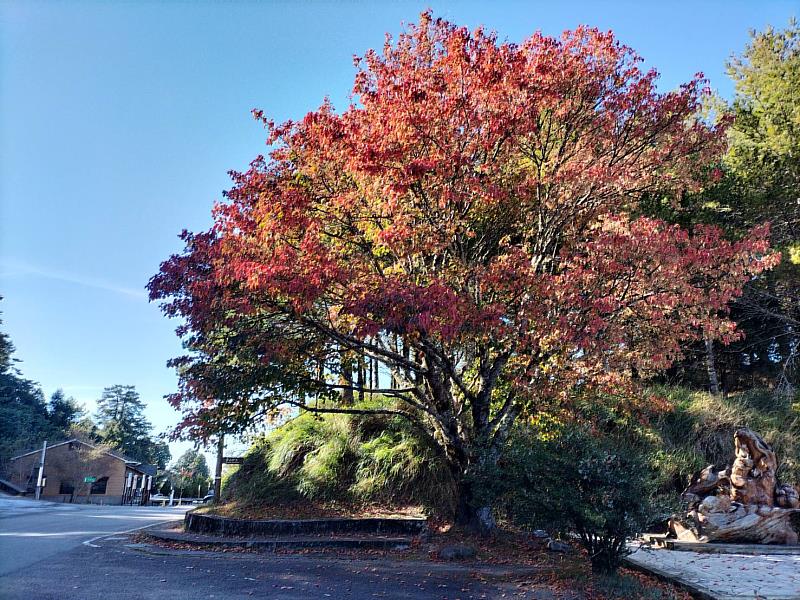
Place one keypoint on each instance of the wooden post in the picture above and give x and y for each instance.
(218, 469)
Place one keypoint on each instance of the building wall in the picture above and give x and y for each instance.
(61, 458)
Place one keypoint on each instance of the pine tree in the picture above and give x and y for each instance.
(64, 412)
(24, 420)
(120, 415)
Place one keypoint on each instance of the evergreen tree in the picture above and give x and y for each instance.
(6, 350)
(120, 416)
(764, 153)
(159, 454)
(190, 474)
(764, 164)
(24, 419)
(122, 424)
(758, 180)
(65, 413)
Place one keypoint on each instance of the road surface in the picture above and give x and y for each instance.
(32, 531)
(121, 570)
(64, 552)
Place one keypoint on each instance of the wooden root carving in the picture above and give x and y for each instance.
(741, 504)
(753, 471)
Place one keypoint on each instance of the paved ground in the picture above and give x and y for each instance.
(32, 531)
(119, 571)
(728, 576)
(55, 551)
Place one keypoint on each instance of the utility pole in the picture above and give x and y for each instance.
(41, 472)
(218, 469)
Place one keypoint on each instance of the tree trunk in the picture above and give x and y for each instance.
(474, 518)
(713, 379)
(474, 513)
(360, 376)
(743, 508)
(346, 379)
(751, 524)
(371, 383)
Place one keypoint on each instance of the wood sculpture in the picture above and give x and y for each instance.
(744, 503)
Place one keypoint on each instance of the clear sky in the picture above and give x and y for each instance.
(120, 120)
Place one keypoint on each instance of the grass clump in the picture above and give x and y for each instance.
(344, 458)
(699, 429)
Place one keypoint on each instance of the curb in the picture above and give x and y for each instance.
(288, 543)
(489, 571)
(216, 525)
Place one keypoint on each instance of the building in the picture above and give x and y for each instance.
(78, 471)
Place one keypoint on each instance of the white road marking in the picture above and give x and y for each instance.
(109, 534)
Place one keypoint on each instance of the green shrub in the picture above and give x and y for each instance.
(576, 482)
(397, 464)
(697, 429)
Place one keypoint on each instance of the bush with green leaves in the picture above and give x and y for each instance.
(576, 481)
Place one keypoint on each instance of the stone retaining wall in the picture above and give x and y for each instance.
(215, 525)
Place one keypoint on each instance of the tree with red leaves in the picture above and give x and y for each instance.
(469, 224)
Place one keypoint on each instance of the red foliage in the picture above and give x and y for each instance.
(477, 199)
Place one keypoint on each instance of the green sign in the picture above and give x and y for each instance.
(89, 479)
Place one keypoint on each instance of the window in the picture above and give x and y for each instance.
(66, 487)
(99, 486)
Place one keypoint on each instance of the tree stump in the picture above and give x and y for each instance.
(741, 504)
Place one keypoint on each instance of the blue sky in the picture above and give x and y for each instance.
(120, 120)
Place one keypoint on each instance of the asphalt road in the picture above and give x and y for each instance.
(32, 532)
(68, 552)
(120, 570)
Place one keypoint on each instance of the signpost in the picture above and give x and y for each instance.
(232, 460)
(40, 480)
(89, 479)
